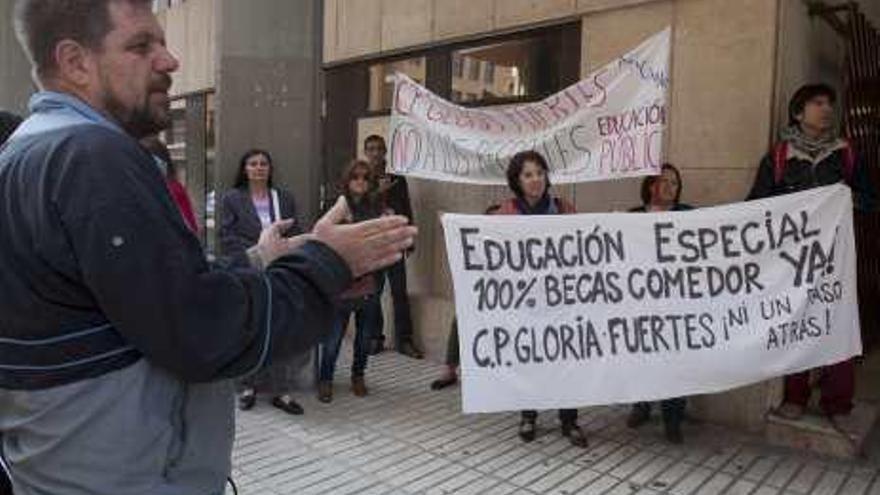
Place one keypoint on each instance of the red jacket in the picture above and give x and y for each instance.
(181, 199)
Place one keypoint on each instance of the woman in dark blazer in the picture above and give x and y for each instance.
(662, 193)
(246, 210)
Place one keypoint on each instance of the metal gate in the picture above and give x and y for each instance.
(861, 123)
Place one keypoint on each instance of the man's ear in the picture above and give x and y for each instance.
(73, 62)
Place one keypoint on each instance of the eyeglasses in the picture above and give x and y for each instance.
(359, 177)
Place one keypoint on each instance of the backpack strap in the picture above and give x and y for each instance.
(849, 162)
(780, 155)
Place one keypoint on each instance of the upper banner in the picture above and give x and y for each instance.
(609, 125)
(575, 310)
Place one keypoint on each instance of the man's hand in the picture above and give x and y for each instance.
(366, 246)
(339, 213)
(273, 245)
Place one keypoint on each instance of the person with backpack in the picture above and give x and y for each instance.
(811, 154)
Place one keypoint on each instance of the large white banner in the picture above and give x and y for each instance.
(609, 125)
(577, 310)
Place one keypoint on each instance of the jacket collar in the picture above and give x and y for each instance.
(52, 110)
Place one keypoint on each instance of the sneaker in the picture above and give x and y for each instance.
(638, 416)
(325, 392)
(575, 435)
(790, 411)
(376, 347)
(526, 430)
(287, 404)
(408, 349)
(247, 399)
(358, 386)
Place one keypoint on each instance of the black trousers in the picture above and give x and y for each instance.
(566, 416)
(403, 327)
(672, 409)
(452, 356)
(5, 484)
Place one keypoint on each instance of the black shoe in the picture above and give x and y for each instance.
(673, 433)
(526, 430)
(444, 382)
(408, 349)
(638, 416)
(287, 405)
(376, 347)
(247, 399)
(575, 435)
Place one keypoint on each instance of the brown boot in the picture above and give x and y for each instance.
(358, 387)
(325, 392)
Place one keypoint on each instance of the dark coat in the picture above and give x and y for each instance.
(802, 172)
(91, 237)
(240, 225)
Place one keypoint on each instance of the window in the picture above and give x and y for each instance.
(457, 67)
(510, 68)
(191, 142)
(489, 73)
(165, 4)
(382, 79)
(473, 69)
(524, 66)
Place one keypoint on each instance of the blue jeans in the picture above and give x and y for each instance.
(365, 321)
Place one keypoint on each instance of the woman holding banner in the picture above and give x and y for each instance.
(527, 177)
(662, 193)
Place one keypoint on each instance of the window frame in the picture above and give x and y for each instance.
(439, 66)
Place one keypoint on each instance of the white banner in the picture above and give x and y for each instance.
(577, 310)
(609, 125)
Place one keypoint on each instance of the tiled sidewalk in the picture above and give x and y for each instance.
(405, 439)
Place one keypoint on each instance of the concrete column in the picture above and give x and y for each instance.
(15, 82)
(268, 95)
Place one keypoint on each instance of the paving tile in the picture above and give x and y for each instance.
(692, 481)
(855, 485)
(783, 472)
(805, 479)
(715, 485)
(404, 439)
(743, 487)
(829, 483)
(599, 485)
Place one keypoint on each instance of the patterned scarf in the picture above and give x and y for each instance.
(813, 147)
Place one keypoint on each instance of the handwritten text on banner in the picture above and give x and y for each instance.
(609, 125)
(577, 310)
